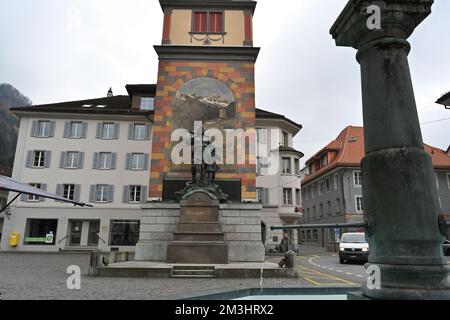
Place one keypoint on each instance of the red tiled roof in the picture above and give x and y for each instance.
(350, 147)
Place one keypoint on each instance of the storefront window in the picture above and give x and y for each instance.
(124, 232)
(41, 232)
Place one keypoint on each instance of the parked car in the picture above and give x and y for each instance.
(446, 247)
(353, 247)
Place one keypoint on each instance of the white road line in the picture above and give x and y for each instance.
(359, 276)
(349, 273)
(339, 271)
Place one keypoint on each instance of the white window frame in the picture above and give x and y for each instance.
(108, 129)
(357, 184)
(78, 125)
(32, 197)
(336, 181)
(286, 198)
(284, 161)
(70, 189)
(104, 165)
(42, 127)
(147, 106)
(102, 188)
(448, 180)
(285, 137)
(140, 158)
(357, 205)
(143, 132)
(41, 159)
(134, 190)
(70, 160)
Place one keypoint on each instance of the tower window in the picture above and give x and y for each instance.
(207, 22)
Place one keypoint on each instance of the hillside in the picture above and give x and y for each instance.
(9, 97)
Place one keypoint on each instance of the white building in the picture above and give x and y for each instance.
(97, 151)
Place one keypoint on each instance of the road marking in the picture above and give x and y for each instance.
(339, 271)
(349, 273)
(359, 276)
(312, 281)
(327, 276)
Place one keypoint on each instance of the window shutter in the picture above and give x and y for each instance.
(34, 128)
(146, 161)
(148, 131)
(110, 193)
(266, 196)
(128, 161)
(66, 129)
(126, 194)
(95, 164)
(84, 130)
(143, 193)
(80, 160)
(92, 194)
(59, 190)
(113, 160)
(47, 160)
(130, 131)
(98, 134)
(62, 161)
(29, 160)
(52, 128)
(43, 188)
(116, 130)
(77, 192)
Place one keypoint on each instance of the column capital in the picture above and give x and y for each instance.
(399, 18)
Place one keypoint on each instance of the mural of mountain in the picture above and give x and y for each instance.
(9, 97)
(206, 100)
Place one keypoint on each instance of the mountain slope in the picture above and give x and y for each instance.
(9, 97)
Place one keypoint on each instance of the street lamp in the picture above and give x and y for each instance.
(444, 100)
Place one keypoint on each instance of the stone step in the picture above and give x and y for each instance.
(193, 272)
(193, 267)
(199, 236)
(199, 227)
(192, 276)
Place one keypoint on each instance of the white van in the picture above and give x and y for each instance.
(353, 247)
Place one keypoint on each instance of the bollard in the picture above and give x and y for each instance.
(290, 259)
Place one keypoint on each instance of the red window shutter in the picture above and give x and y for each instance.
(215, 21)
(200, 20)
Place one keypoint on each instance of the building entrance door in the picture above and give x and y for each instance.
(94, 229)
(76, 228)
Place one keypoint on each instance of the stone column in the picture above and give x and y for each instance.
(401, 204)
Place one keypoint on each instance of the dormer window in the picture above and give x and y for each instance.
(207, 22)
(147, 103)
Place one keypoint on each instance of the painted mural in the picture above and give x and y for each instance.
(204, 99)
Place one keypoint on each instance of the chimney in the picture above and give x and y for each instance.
(110, 93)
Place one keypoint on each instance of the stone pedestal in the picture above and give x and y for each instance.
(198, 237)
(162, 224)
(401, 205)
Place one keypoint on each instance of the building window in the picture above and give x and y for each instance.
(39, 159)
(76, 130)
(314, 213)
(207, 22)
(448, 180)
(297, 166)
(329, 208)
(285, 141)
(338, 205)
(286, 165)
(43, 129)
(124, 232)
(298, 197)
(101, 193)
(72, 160)
(137, 161)
(324, 161)
(147, 103)
(135, 194)
(287, 196)
(357, 178)
(261, 134)
(40, 232)
(315, 235)
(321, 210)
(139, 132)
(327, 185)
(69, 191)
(308, 214)
(336, 181)
(32, 197)
(260, 195)
(321, 187)
(105, 160)
(359, 204)
(108, 131)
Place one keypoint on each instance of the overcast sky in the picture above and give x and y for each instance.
(60, 50)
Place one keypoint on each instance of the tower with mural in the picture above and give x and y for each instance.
(206, 73)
